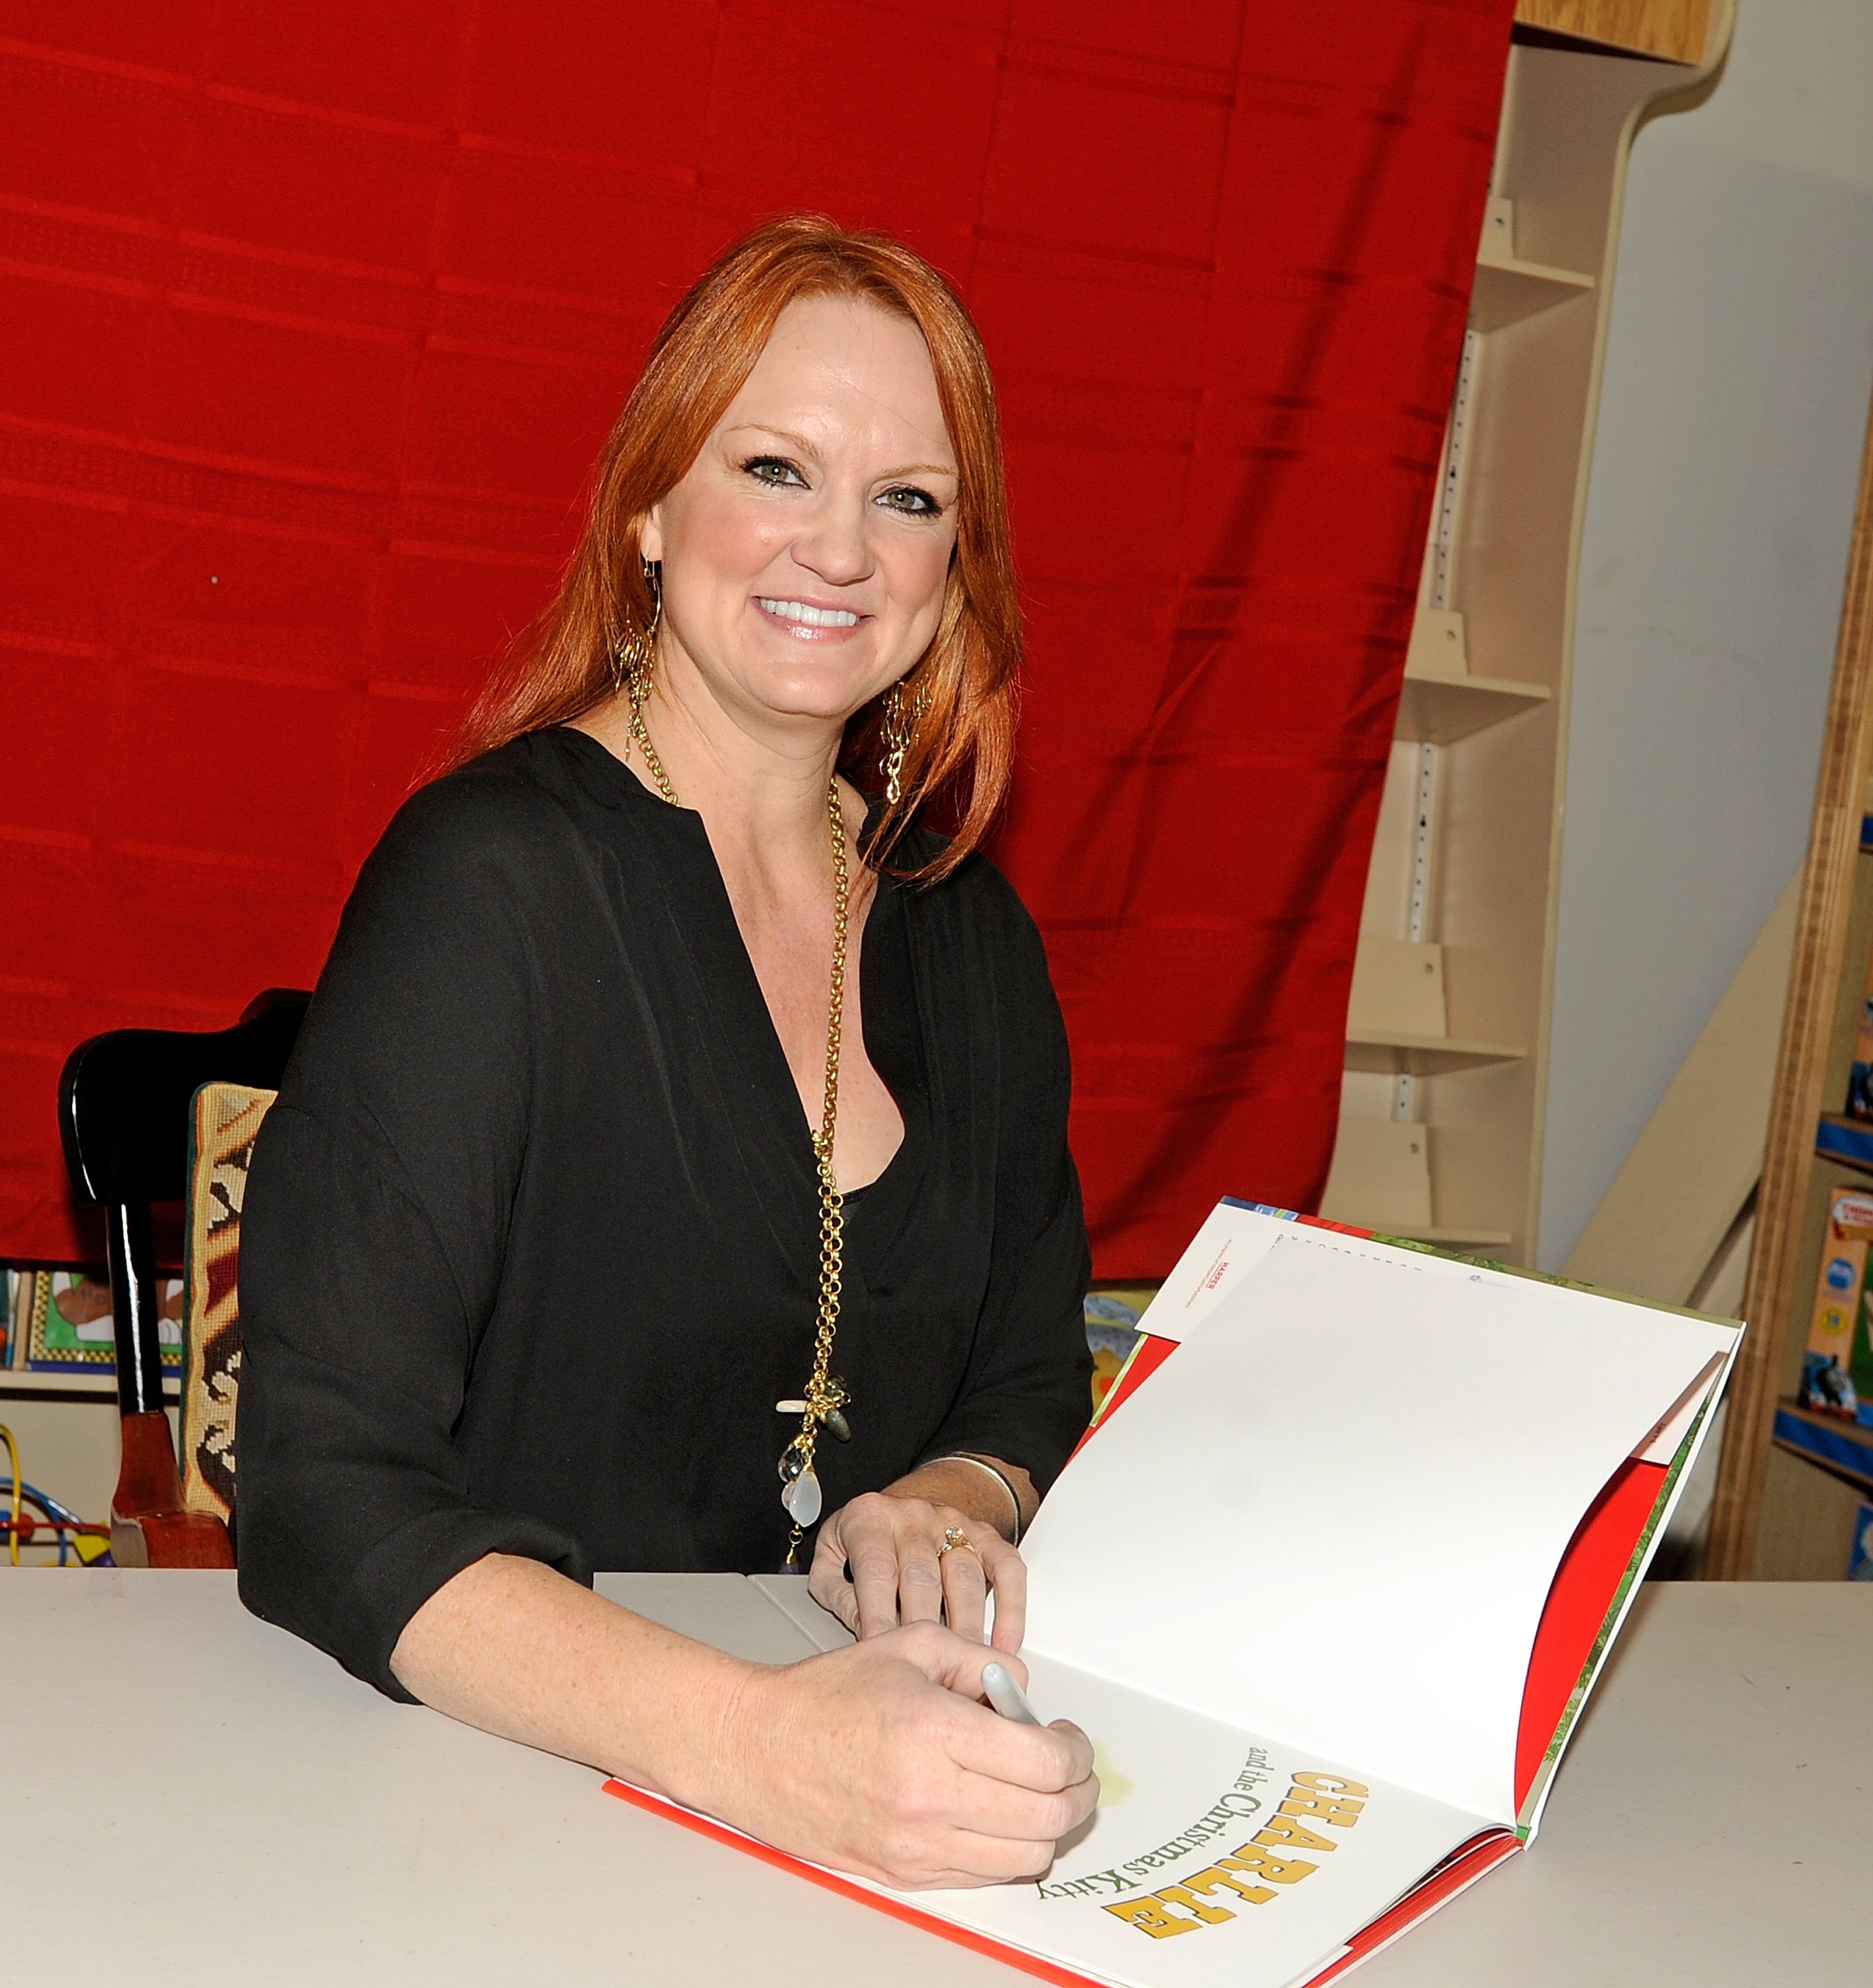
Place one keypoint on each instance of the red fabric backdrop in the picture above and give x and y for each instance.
(314, 316)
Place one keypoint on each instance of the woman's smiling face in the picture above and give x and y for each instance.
(805, 553)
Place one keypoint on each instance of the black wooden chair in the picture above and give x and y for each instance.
(124, 1107)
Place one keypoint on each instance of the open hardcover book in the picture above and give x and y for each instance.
(1327, 1584)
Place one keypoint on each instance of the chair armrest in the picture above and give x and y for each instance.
(149, 1526)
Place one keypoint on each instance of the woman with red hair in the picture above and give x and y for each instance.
(672, 1171)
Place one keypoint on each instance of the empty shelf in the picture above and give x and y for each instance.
(1508, 289)
(1437, 710)
(1392, 1050)
(18, 1381)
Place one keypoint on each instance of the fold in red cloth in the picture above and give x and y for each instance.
(316, 316)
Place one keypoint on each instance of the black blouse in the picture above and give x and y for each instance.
(530, 1247)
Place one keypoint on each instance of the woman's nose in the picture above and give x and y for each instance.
(836, 545)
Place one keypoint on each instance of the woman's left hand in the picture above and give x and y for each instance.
(880, 1562)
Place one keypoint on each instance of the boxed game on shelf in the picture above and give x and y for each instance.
(1837, 1369)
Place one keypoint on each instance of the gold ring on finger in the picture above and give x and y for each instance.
(956, 1537)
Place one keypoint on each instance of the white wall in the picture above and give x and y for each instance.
(1720, 503)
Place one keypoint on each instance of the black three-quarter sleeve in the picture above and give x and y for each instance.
(373, 1229)
(1026, 1395)
(529, 1253)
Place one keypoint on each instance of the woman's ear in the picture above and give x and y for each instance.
(651, 534)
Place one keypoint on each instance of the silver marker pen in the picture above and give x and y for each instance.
(999, 1688)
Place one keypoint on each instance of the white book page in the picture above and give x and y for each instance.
(1231, 1243)
(1235, 1238)
(1183, 1799)
(1333, 1515)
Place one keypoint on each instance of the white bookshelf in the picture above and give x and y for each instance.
(1446, 1061)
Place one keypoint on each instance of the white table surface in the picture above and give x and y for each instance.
(190, 1795)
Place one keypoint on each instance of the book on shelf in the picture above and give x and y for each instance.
(61, 1323)
(1327, 1584)
(1836, 1366)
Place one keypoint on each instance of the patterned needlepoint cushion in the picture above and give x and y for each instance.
(222, 1129)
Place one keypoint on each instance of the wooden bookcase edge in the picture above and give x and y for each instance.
(1672, 30)
(1771, 1302)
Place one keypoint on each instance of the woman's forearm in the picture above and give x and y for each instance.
(876, 1758)
(518, 1650)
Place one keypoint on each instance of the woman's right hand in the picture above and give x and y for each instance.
(878, 1760)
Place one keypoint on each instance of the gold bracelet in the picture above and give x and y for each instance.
(956, 1456)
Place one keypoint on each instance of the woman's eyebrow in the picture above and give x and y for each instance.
(787, 435)
(806, 448)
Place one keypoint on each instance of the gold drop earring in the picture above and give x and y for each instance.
(636, 653)
(632, 663)
(897, 730)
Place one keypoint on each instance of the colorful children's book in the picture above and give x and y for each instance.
(1327, 1584)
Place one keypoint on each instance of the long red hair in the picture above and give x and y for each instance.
(962, 688)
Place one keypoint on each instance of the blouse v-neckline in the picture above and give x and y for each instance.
(888, 1001)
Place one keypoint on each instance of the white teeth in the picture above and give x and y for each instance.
(814, 617)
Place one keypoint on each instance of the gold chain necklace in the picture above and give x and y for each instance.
(826, 1399)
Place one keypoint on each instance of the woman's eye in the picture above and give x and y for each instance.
(912, 502)
(773, 469)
